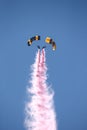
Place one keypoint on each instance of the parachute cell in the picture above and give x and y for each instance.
(48, 40)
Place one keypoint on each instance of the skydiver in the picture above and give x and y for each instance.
(38, 47)
(43, 47)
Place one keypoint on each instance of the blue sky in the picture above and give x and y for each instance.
(66, 22)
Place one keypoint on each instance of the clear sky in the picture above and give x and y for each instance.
(66, 22)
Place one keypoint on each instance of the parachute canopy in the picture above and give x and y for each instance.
(50, 41)
(37, 37)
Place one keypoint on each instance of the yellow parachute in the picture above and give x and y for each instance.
(50, 41)
(37, 37)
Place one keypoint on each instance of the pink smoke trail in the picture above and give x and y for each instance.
(40, 114)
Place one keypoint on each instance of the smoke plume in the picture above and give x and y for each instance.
(39, 109)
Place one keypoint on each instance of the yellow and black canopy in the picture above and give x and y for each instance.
(50, 41)
(37, 37)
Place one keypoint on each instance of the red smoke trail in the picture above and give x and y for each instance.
(40, 114)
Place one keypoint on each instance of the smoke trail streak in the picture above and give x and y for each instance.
(40, 114)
